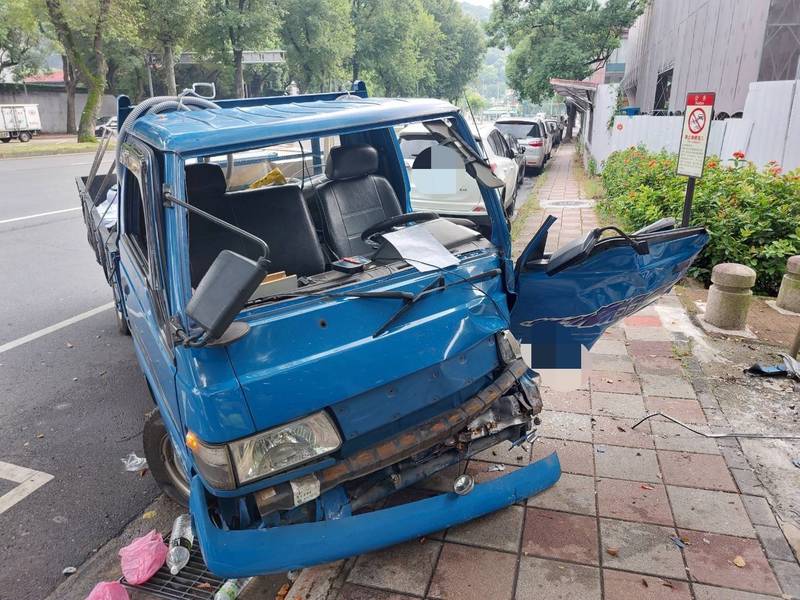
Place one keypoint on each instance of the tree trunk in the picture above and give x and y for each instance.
(95, 75)
(97, 86)
(70, 84)
(238, 68)
(96, 80)
(169, 70)
(571, 110)
(356, 69)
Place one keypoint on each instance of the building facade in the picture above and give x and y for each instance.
(681, 46)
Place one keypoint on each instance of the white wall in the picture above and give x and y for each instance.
(53, 105)
(769, 129)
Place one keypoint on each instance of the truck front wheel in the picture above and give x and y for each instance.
(122, 321)
(5, 140)
(162, 460)
(24, 136)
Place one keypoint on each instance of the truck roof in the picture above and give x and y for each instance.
(200, 131)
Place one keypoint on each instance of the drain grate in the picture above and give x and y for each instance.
(194, 582)
(568, 204)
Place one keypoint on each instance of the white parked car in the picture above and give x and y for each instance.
(439, 182)
(531, 134)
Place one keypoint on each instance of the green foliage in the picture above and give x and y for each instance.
(458, 55)
(318, 38)
(619, 104)
(19, 37)
(475, 101)
(567, 39)
(752, 216)
(394, 60)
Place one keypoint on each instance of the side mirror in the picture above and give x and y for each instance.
(222, 292)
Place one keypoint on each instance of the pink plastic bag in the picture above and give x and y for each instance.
(108, 590)
(143, 557)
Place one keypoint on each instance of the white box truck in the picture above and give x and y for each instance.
(19, 121)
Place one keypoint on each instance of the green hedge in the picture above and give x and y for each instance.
(752, 216)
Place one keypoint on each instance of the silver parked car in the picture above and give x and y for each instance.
(531, 134)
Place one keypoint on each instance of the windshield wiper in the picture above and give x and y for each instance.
(438, 284)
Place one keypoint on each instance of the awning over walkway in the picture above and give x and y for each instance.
(581, 93)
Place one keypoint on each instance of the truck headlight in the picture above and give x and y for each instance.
(282, 447)
(212, 462)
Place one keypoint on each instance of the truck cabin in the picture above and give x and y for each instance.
(308, 195)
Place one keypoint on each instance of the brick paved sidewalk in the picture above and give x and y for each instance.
(652, 513)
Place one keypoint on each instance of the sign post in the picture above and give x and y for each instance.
(694, 142)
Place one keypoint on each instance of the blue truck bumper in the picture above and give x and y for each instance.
(243, 553)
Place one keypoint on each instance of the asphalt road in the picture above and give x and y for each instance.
(71, 401)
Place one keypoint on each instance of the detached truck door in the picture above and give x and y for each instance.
(567, 299)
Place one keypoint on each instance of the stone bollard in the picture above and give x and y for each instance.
(789, 294)
(729, 296)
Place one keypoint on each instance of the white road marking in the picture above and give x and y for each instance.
(29, 481)
(44, 214)
(48, 330)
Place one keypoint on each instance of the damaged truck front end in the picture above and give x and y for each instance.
(313, 345)
(338, 510)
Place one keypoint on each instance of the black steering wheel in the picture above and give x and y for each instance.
(369, 234)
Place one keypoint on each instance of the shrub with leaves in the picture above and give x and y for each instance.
(752, 215)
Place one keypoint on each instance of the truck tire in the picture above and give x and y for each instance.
(24, 136)
(161, 461)
(122, 321)
(5, 140)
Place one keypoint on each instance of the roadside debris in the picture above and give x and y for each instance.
(134, 463)
(739, 562)
(677, 541)
(612, 551)
(790, 368)
(283, 592)
(180, 542)
(69, 571)
(496, 468)
(141, 558)
(764, 436)
(231, 589)
(108, 590)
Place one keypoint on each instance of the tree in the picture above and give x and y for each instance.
(169, 24)
(229, 27)
(90, 63)
(475, 102)
(568, 39)
(318, 37)
(397, 61)
(459, 55)
(19, 36)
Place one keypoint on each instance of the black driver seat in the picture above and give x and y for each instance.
(353, 198)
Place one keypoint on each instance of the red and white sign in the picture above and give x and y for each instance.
(694, 135)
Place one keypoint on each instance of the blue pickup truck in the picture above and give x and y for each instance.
(312, 345)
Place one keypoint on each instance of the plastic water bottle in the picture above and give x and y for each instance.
(180, 542)
(231, 589)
